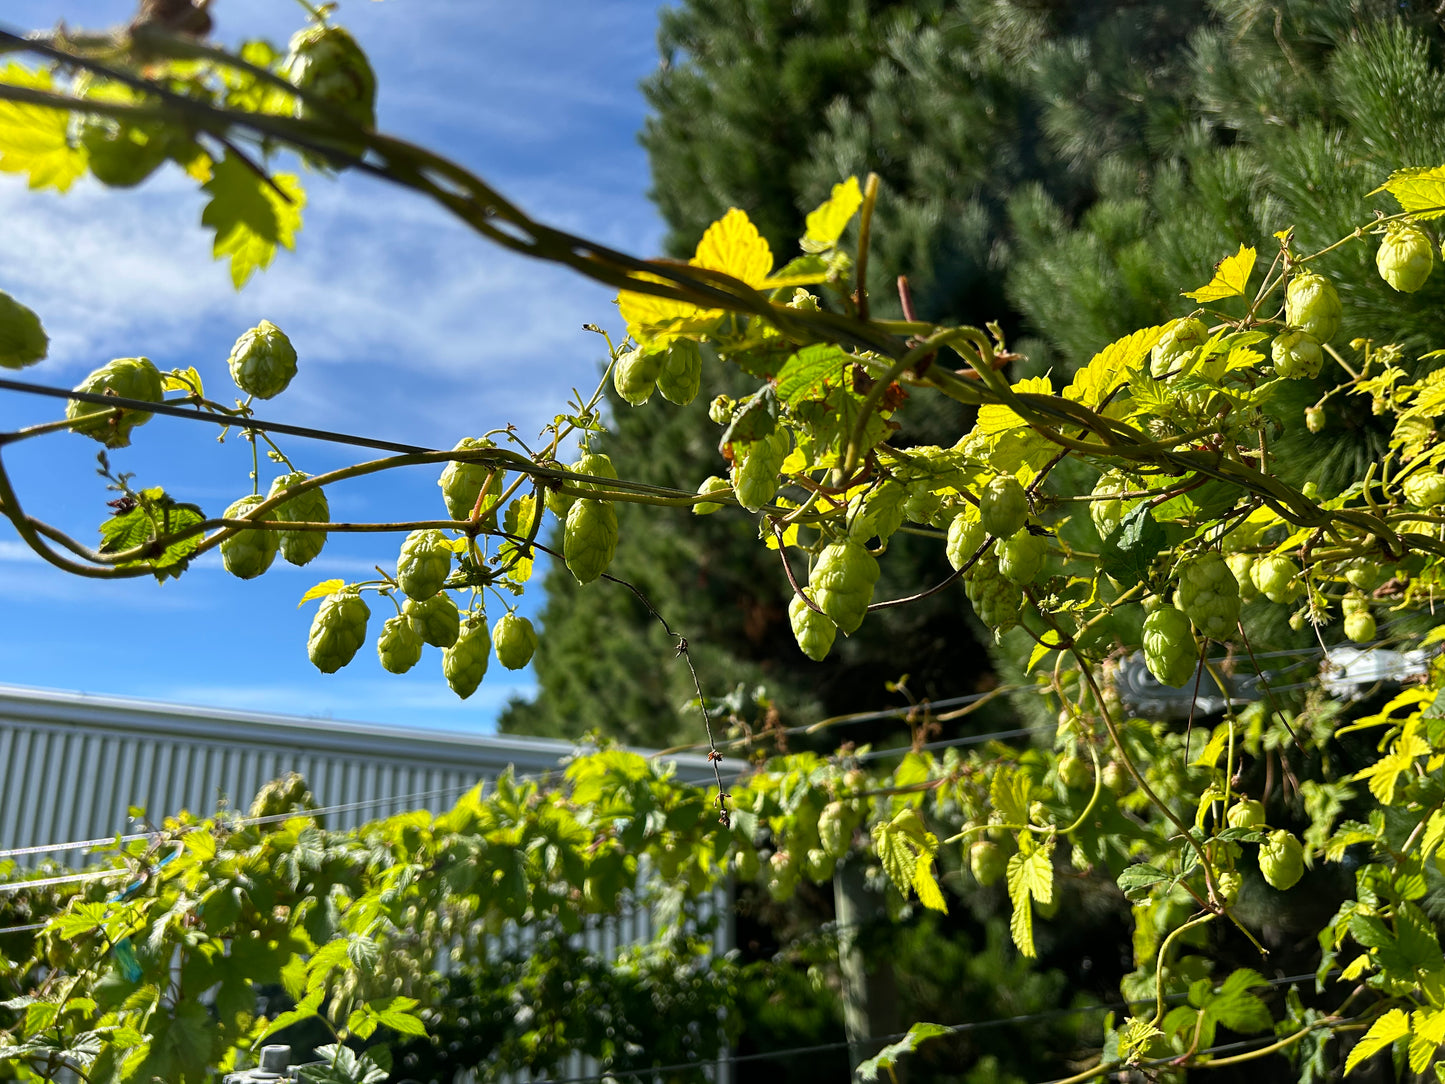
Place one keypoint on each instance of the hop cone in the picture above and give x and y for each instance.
(465, 663)
(129, 378)
(263, 361)
(337, 631)
(300, 547)
(247, 554)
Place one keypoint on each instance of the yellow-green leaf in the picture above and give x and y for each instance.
(250, 217)
(35, 140)
(1420, 190)
(734, 246)
(321, 590)
(187, 380)
(1008, 793)
(1384, 1031)
(1231, 275)
(1110, 367)
(996, 418)
(827, 223)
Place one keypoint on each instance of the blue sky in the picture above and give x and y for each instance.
(408, 327)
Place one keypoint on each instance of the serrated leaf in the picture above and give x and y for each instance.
(187, 380)
(890, 1054)
(1236, 1007)
(811, 373)
(1136, 880)
(154, 514)
(734, 246)
(1040, 652)
(321, 590)
(1231, 276)
(826, 223)
(995, 418)
(1008, 793)
(755, 418)
(518, 520)
(1384, 1031)
(802, 271)
(1111, 366)
(249, 217)
(35, 140)
(1419, 190)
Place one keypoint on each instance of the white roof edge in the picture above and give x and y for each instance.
(223, 724)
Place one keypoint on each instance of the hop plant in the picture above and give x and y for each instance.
(681, 375)
(436, 618)
(997, 601)
(1170, 652)
(1359, 621)
(310, 506)
(598, 465)
(338, 630)
(835, 829)
(1209, 594)
(965, 535)
(122, 154)
(424, 563)
(1296, 355)
(514, 640)
(22, 339)
(1281, 860)
(464, 664)
(878, 513)
(247, 554)
(1003, 507)
(1021, 558)
(711, 484)
(1276, 577)
(128, 378)
(462, 484)
(263, 361)
(399, 645)
(1242, 565)
(1312, 306)
(589, 539)
(987, 862)
(326, 63)
(1175, 346)
(1108, 513)
(1405, 257)
(1245, 814)
(635, 374)
(1425, 489)
(814, 632)
(842, 583)
(755, 468)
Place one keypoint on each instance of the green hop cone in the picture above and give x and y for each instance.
(1075, 772)
(462, 483)
(1003, 507)
(22, 340)
(300, 547)
(1281, 860)
(681, 375)
(1276, 577)
(399, 645)
(997, 601)
(596, 464)
(1209, 594)
(247, 554)
(1362, 573)
(1425, 489)
(1315, 419)
(465, 663)
(1021, 558)
(129, 378)
(514, 640)
(1242, 565)
(879, 514)
(1405, 257)
(1296, 355)
(338, 630)
(835, 829)
(1247, 813)
(590, 539)
(1175, 346)
(1229, 884)
(436, 619)
(711, 484)
(1109, 512)
(263, 361)
(965, 535)
(814, 632)
(1169, 648)
(327, 64)
(121, 154)
(755, 473)
(843, 582)
(635, 374)
(1359, 621)
(1312, 306)
(424, 563)
(987, 861)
